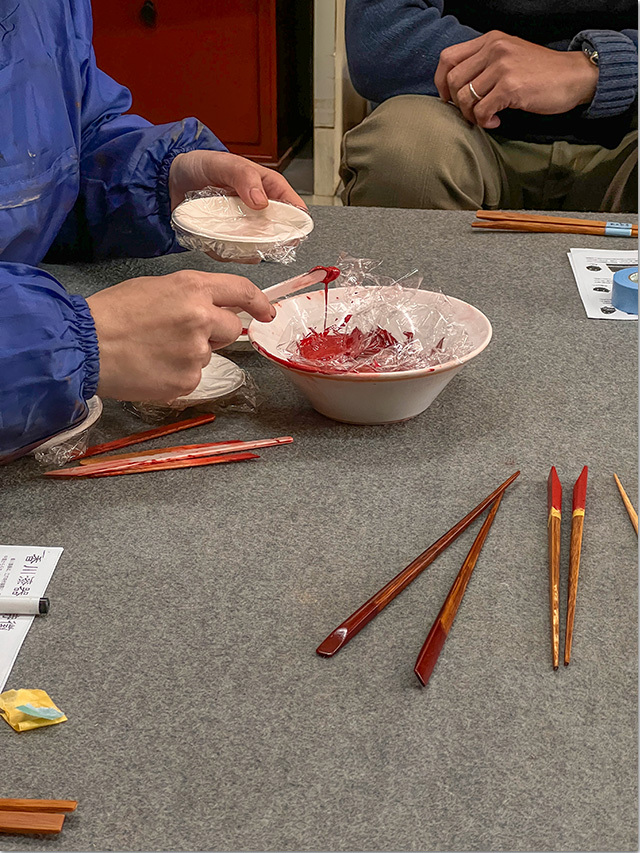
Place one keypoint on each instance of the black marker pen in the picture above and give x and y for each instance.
(11, 605)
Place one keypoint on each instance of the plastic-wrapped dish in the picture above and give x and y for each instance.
(211, 221)
(71, 443)
(223, 387)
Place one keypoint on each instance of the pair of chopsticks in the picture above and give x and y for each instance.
(554, 509)
(511, 221)
(34, 817)
(182, 456)
(432, 647)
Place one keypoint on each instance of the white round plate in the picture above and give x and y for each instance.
(95, 410)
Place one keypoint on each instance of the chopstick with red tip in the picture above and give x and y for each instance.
(88, 471)
(633, 515)
(577, 524)
(345, 632)
(147, 435)
(439, 632)
(554, 508)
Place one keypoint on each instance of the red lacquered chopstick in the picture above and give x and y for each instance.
(147, 435)
(356, 622)
(577, 524)
(439, 632)
(186, 451)
(89, 471)
(554, 508)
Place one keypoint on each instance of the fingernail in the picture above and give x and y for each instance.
(273, 311)
(258, 197)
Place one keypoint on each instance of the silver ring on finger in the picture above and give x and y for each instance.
(474, 94)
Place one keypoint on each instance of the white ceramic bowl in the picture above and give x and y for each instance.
(226, 226)
(367, 398)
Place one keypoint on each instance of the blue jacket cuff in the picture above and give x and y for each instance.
(204, 141)
(88, 340)
(617, 86)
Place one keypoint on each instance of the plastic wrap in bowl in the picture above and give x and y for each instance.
(367, 397)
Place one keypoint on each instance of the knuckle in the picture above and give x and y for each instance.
(204, 354)
(247, 289)
(190, 381)
(501, 47)
(184, 278)
(198, 317)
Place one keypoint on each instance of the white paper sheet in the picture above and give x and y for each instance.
(593, 270)
(24, 571)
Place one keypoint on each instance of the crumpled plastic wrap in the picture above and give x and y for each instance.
(210, 220)
(224, 387)
(378, 324)
(72, 443)
(58, 455)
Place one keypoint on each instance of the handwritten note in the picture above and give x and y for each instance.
(24, 570)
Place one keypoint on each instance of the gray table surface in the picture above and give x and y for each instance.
(187, 605)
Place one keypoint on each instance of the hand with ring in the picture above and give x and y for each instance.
(497, 71)
(474, 94)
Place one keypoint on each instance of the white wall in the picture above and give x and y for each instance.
(337, 106)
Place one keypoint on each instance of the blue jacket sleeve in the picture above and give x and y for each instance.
(393, 48)
(123, 208)
(49, 361)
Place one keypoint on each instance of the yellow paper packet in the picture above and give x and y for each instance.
(31, 702)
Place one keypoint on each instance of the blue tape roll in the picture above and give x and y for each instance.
(617, 229)
(624, 295)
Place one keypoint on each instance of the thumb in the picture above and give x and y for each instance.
(248, 185)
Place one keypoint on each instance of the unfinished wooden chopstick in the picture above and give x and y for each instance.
(345, 632)
(51, 806)
(30, 822)
(439, 632)
(577, 524)
(504, 220)
(147, 435)
(633, 515)
(554, 507)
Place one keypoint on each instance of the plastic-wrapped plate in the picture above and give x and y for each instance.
(95, 410)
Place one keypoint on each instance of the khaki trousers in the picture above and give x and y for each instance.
(416, 151)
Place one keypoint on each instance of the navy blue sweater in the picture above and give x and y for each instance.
(393, 48)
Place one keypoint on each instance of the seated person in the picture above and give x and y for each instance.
(80, 180)
(493, 105)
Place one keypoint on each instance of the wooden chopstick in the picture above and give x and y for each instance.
(88, 471)
(554, 506)
(439, 632)
(517, 216)
(147, 435)
(346, 631)
(51, 806)
(633, 515)
(511, 216)
(547, 228)
(577, 524)
(30, 823)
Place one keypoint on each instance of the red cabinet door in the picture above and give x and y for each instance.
(213, 59)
